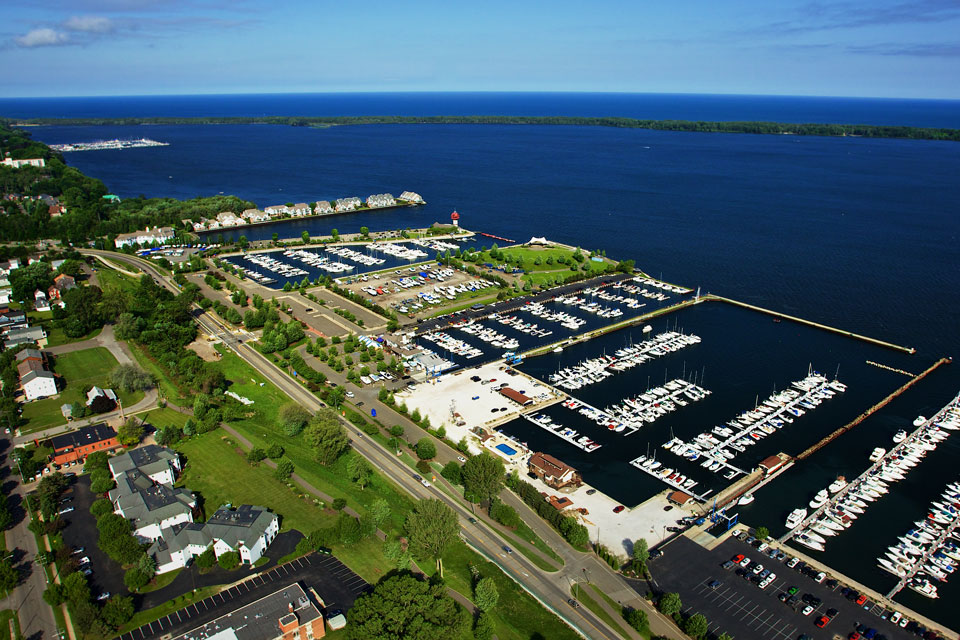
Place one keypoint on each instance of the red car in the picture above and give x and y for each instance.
(737, 559)
(854, 636)
(861, 599)
(618, 508)
(822, 621)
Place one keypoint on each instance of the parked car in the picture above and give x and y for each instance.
(78, 551)
(351, 394)
(738, 558)
(820, 577)
(807, 610)
(793, 562)
(745, 562)
(103, 596)
(65, 511)
(618, 508)
(757, 569)
(461, 459)
(729, 564)
(83, 561)
(822, 621)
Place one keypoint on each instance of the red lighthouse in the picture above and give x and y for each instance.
(455, 219)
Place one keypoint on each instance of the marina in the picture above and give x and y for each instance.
(108, 145)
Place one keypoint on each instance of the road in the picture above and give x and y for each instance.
(550, 588)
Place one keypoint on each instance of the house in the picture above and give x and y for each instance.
(97, 392)
(287, 613)
(40, 301)
(36, 379)
(159, 464)
(75, 446)
(64, 282)
(300, 209)
(66, 410)
(277, 210)
(679, 498)
(347, 204)
(229, 219)
(380, 200)
(146, 237)
(24, 335)
(323, 206)
(151, 507)
(410, 196)
(27, 162)
(560, 503)
(552, 471)
(255, 215)
(5, 296)
(11, 319)
(248, 530)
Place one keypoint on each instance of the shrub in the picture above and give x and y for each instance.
(101, 507)
(229, 561)
(256, 455)
(339, 503)
(426, 449)
(451, 471)
(207, 559)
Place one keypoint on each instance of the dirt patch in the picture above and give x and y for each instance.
(204, 348)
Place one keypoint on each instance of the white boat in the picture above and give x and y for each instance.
(878, 453)
(820, 499)
(796, 517)
(837, 484)
(809, 543)
(746, 498)
(900, 436)
(924, 588)
(918, 421)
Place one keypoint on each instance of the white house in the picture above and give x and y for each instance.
(323, 206)
(28, 162)
(36, 379)
(149, 506)
(159, 464)
(410, 196)
(255, 215)
(229, 219)
(95, 392)
(300, 209)
(148, 236)
(40, 301)
(277, 210)
(5, 296)
(380, 200)
(347, 204)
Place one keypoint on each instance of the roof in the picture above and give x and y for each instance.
(30, 353)
(243, 525)
(149, 459)
(550, 465)
(771, 463)
(516, 396)
(680, 497)
(560, 503)
(147, 503)
(262, 618)
(82, 437)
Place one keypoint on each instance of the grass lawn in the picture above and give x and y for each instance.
(160, 418)
(143, 617)
(161, 581)
(168, 389)
(645, 632)
(582, 593)
(78, 370)
(107, 277)
(467, 305)
(55, 335)
(5, 617)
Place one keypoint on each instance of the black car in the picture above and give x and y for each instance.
(832, 583)
(573, 603)
(475, 378)
(852, 595)
(590, 492)
(674, 529)
(728, 564)
(812, 600)
(656, 553)
(831, 613)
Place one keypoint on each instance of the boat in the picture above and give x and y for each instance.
(808, 542)
(837, 484)
(900, 436)
(820, 499)
(796, 517)
(557, 349)
(918, 421)
(746, 498)
(878, 453)
(923, 587)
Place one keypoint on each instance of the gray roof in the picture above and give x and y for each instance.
(21, 335)
(149, 459)
(30, 353)
(243, 525)
(146, 503)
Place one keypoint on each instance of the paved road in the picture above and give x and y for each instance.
(552, 589)
(36, 617)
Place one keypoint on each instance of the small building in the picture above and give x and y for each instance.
(560, 503)
(26, 162)
(66, 410)
(146, 237)
(36, 379)
(24, 335)
(75, 446)
(552, 471)
(96, 392)
(229, 219)
(323, 206)
(455, 219)
(516, 396)
(40, 300)
(679, 498)
(300, 209)
(771, 464)
(10, 319)
(411, 196)
(5, 296)
(160, 464)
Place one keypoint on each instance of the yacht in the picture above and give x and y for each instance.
(796, 517)
(746, 498)
(918, 421)
(923, 587)
(837, 484)
(878, 453)
(900, 436)
(820, 499)
(808, 542)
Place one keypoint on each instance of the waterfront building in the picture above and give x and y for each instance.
(300, 209)
(553, 472)
(323, 206)
(28, 162)
(455, 219)
(229, 219)
(347, 204)
(146, 237)
(255, 215)
(410, 196)
(380, 200)
(275, 210)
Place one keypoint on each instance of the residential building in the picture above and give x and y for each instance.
(10, 319)
(410, 196)
(27, 162)
(40, 300)
(380, 200)
(275, 210)
(300, 209)
(229, 219)
(96, 392)
(64, 282)
(151, 507)
(553, 472)
(5, 296)
(36, 379)
(323, 206)
(160, 464)
(148, 236)
(75, 446)
(255, 215)
(347, 204)
(285, 614)
(24, 334)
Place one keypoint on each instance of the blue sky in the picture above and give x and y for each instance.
(884, 48)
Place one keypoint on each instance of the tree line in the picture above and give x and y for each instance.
(751, 126)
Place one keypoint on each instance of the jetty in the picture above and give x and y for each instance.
(917, 566)
(490, 235)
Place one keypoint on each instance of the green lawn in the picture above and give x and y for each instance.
(5, 617)
(160, 418)
(77, 370)
(467, 305)
(168, 389)
(55, 335)
(143, 617)
(645, 632)
(582, 593)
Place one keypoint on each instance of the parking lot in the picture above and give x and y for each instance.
(734, 604)
(336, 584)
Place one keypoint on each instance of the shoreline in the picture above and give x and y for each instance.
(363, 209)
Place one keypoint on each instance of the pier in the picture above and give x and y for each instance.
(490, 235)
(917, 566)
(889, 368)
(870, 471)
(810, 323)
(866, 414)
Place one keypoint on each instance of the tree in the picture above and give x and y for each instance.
(380, 511)
(483, 628)
(136, 579)
(432, 526)
(360, 470)
(636, 618)
(696, 626)
(129, 377)
(28, 279)
(292, 418)
(762, 533)
(401, 606)
(54, 595)
(130, 432)
(117, 611)
(426, 449)
(6, 516)
(485, 594)
(101, 481)
(9, 576)
(397, 554)
(670, 604)
(640, 551)
(284, 469)
(451, 471)
(326, 437)
(305, 236)
(275, 451)
(483, 477)
(101, 507)
(75, 588)
(229, 561)
(206, 559)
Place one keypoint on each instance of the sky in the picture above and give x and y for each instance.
(868, 48)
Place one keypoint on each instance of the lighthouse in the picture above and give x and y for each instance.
(455, 219)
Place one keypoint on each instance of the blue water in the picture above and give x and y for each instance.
(657, 106)
(510, 451)
(856, 233)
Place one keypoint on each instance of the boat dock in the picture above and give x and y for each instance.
(810, 323)
(562, 432)
(918, 565)
(866, 414)
(869, 472)
(667, 475)
(490, 235)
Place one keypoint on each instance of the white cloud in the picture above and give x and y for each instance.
(89, 24)
(42, 38)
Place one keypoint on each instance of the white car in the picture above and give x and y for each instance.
(820, 577)
(103, 596)
(763, 547)
(765, 582)
(84, 560)
(350, 394)
(792, 562)
(461, 459)
(757, 569)
(745, 562)
(807, 610)
(895, 618)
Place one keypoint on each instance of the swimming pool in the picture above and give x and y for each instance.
(507, 450)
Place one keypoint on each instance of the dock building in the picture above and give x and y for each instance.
(553, 472)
